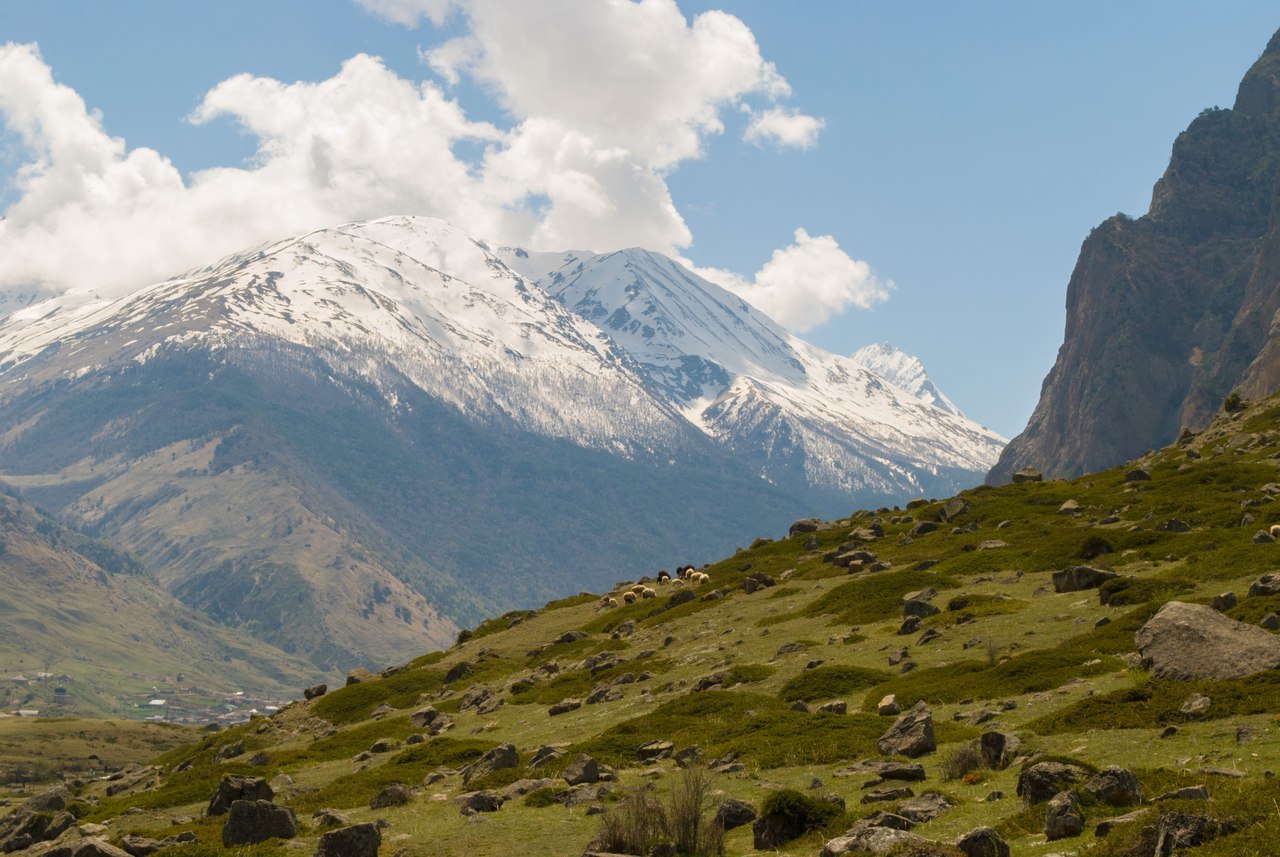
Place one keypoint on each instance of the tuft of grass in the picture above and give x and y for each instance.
(872, 598)
(356, 702)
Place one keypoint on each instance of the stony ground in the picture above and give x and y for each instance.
(1004, 620)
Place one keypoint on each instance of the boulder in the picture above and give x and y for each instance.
(500, 757)
(952, 509)
(54, 800)
(1063, 817)
(544, 755)
(359, 840)
(1268, 584)
(252, 821)
(564, 706)
(396, 794)
(140, 846)
(883, 795)
(804, 525)
(1027, 474)
(1195, 705)
(983, 842)
(1075, 578)
(423, 717)
(234, 788)
(835, 706)
(998, 749)
(1271, 622)
(583, 769)
(1115, 786)
(1039, 782)
(329, 818)
(1137, 475)
(919, 607)
(775, 829)
(911, 735)
(888, 706)
(1185, 793)
(1224, 601)
(864, 837)
(24, 828)
(1192, 641)
(924, 808)
(483, 801)
(90, 847)
(1070, 507)
(316, 690)
(924, 528)
(735, 813)
(359, 675)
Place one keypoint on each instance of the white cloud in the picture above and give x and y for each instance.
(784, 128)
(603, 100)
(806, 283)
(408, 13)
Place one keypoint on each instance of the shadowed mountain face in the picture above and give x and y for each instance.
(349, 443)
(1168, 313)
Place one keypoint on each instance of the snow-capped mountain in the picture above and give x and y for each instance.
(905, 371)
(389, 426)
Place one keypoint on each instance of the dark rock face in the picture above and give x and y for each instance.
(983, 842)
(1080, 577)
(1063, 817)
(25, 828)
(360, 840)
(1168, 313)
(253, 821)
(1115, 786)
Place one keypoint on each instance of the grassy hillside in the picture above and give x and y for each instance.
(727, 673)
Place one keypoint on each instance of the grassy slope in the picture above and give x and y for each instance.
(1072, 690)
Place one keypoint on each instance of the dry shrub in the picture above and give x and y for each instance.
(641, 820)
(964, 761)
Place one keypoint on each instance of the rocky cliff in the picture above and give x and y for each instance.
(1170, 312)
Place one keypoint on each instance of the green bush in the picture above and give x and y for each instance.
(830, 682)
(805, 812)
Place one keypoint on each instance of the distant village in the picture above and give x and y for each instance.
(46, 694)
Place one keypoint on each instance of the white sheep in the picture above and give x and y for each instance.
(700, 577)
(638, 588)
(1275, 531)
(648, 592)
(677, 583)
(628, 598)
(610, 601)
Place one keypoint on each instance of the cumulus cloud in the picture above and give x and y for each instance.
(806, 283)
(602, 100)
(784, 127)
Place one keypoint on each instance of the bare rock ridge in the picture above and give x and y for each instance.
(1170, 312)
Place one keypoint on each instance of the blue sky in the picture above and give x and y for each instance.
(966, 148)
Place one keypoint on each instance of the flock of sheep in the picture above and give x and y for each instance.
(686, 575)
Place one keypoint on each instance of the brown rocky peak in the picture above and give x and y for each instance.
(1260, 90)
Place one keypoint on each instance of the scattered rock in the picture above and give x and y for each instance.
(329, 818)
(923, 528)
(1070, 507)
(919, 607)
(583, 769)
(1271, 622)
(1137, 475)
(804, 525)
(564, 706)
(396, 794)
(1080, 577)
(1224, 601)
(983, 842)
(1196, 705)
(140, 846)
(359, 840)
(233, 788)
(315, 690)
(884, 795)
(998, 749)
(735, 813)
(877, 839)
(1186, 793)
(836, 706)
(1115, 786)
(499, 758)
(1191, 641)
(888, 706)
(1268, 584)
(1027, 474)
(1039, 782)
(91, 847)
(252, 821)
(911, 735)
(1063, 817)
(482, 801)
(909, 626)
(924, 808)
(359, 675)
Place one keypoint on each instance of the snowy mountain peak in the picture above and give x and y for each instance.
(903, 370)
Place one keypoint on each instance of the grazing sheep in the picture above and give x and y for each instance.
(648, 592)
(700, 577)
(628, 598)
(664, 576)
(677, 583)
(638, 588)
(1275, 531)
(611, 602)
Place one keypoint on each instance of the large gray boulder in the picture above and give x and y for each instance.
(1063, 817)
(911, 735)
(500, 757)
(252, 821)
(233, 788)
(1115, 786)
(1039, 782)
(735, 813)
(583, 769)
(88, 847)
(359, 840)
(1192, 641)
(24, 828)
(864, 837)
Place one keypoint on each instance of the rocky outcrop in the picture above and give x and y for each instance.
(360, 840)
(1168, 313)
(233, 788)
(911, 735)
(252, 821)
(1194, 641)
